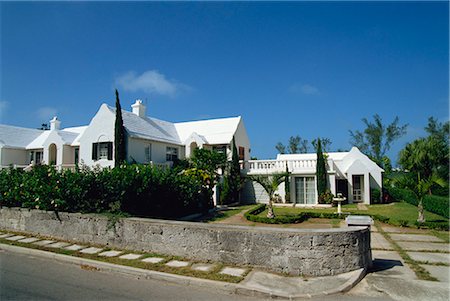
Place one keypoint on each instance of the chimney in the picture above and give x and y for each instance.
(55, 124)
(139, 108)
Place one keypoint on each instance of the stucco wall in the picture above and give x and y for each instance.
(294, 251)
(136, 150)
(13, 156)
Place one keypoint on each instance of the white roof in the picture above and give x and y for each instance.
(214, 131)
(17, 137)
(148, 128)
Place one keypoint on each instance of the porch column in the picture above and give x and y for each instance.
(366, 188)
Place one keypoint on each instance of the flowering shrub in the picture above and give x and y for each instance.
(136, 189)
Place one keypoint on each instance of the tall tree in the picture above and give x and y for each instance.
(429, 155)
(377, 138)
(280, 148)
(287, 186)
(326, 144)
(321, 170)
(119, 135)
(270, 184)
(233, 179)
(420, 187)
(296, 145)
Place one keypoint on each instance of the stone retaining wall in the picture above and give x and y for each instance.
(293, 251)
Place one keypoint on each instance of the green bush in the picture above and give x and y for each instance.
(375, 196)
(432, 203)
(136, 189)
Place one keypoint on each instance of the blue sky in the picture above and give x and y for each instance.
(293, 68)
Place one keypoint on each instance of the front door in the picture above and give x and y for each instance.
(358, 188)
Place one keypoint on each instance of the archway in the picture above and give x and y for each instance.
(52, 154)
(192, 147)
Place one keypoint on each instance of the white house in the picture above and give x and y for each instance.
(351, 173)
(149, 140)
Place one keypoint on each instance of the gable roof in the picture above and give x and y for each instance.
(148, 128)
(17, 137)
(214, 131)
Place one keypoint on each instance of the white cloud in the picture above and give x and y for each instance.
(151, 82)
(46, 113)
(305, 89)
(3, 107)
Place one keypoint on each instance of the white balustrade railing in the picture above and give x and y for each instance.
(273, 166)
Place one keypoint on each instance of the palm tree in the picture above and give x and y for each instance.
(420, 187)
(270, 184)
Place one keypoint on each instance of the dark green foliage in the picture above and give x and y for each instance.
(321, 171)
(119, 135)
(326, 197)
(375, 196)
(433, 203)
(297, 145)
(287, 186)
(136, 189)
(233, 180)
(376, 139)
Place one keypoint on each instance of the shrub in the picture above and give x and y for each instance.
(375, 196)
(136, 189)
(432, 203)
(326, 197)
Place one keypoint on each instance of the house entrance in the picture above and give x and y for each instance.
(342, 187)
(305, 190)
(358, 188)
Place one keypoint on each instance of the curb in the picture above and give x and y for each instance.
(179, 279)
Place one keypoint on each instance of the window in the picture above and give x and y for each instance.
(222, 149)
(305, 190)
(102, 150)
(77, 155)
(241, 153)
(148, 153)
(31, 156)
(39, 156)
(171, 153)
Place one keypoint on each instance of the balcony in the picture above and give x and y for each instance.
(261, 167)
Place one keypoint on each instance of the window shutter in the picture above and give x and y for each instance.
(94, 151)
(110, 150)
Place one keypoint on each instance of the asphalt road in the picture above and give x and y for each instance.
(23, 277)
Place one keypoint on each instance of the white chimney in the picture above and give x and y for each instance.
(139, 108)
(55, 124)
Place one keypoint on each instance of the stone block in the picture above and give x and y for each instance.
(131, 256)
(204, 267)
(29, 240)
(233, 271)
(75, 247)
(110, 253)
(15, 237)
(91, 250)
(178, 263)
(153, 259)
(43, 242)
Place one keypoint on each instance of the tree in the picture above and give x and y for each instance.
(287, 186)
(233, 180)
(321, 170)
(119, 135)
(377, 138)
(297, 145)
(280, 148)
(429, 155)
(420, 187)
(270, 184)
(326, 144)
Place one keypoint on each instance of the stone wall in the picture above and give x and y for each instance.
(293, 251)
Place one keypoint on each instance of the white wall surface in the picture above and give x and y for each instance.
(13, 156)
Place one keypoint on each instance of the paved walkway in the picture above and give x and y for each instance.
(392, 277)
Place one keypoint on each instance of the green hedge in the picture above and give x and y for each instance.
(432, 203)
(135, 189)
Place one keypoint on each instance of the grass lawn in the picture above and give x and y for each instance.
(398, 213)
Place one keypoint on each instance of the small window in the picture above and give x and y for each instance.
(102, 150)
(222, 149)
(31, 156)
(241, 153)
(148, 153)
(77, 155)
(39, 156)
(171, 153)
